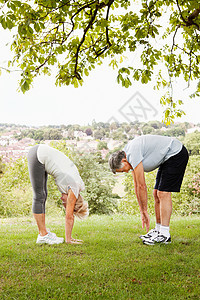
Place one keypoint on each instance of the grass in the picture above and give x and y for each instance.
(111, 264)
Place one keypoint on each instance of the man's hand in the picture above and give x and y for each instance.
(145, 220)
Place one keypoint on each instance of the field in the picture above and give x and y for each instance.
(111, 264)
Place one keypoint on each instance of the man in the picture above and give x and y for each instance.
(144, 154)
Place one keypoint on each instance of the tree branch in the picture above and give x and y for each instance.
(107, 16)
(177, 27)
(189, 21)
(98, 7)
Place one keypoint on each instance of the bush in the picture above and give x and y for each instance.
(195, 185)
(187, 202)
(192, 143)
(15, 190)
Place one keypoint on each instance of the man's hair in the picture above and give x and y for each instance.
(115, 160)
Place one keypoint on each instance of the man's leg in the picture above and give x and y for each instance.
(40, 220)
(165, 204)
(154, 232)
(165, 207)
(157, 206)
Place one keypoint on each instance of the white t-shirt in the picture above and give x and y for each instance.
(62, 169)
(152, 150)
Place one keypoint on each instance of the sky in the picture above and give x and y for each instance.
(100, 98)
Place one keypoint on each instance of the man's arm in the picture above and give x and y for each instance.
(141, 194)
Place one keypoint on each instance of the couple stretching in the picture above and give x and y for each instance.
(143, 154)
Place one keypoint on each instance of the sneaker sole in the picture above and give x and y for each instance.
(145, 238)
(156, 243)
(44, 242)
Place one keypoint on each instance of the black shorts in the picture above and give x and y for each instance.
(170, 174)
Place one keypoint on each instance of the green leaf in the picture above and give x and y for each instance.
(75, 82)
(25, 86)
(167, 112)
(86, 72)
(36, 27)
(4, 23)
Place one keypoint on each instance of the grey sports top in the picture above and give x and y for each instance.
(152, 150)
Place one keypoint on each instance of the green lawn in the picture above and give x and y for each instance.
(111, 264)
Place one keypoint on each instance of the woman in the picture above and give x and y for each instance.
(44, 160)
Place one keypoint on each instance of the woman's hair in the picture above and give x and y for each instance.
(115, 160)
(81, 209)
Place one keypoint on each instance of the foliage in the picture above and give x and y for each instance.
(175, 132)
(119, 131)
(192, 142)
(41, 134)
(112, 263)
(184, 203)
(99, 133)
(146, 129)
(102, 145)
(75, 37)
(15, 190)
(2, 166)
(88, 131)
(118, 134)
(195, 185)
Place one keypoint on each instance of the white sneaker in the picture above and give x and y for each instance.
(160, 239)
(153, 233)
(49, 238)
(54, 235)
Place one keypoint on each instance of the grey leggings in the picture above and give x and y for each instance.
(38, 177)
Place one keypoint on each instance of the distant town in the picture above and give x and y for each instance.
(15, 140)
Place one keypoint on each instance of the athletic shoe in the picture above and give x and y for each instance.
(53, 234)
(48, 230)
(151, 234)
(160, 239)
(49, 238)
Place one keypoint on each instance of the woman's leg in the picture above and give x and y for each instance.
(40, 220)
(38, 177)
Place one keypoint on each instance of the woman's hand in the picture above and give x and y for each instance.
(74, 241)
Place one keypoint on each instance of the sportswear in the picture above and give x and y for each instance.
(152, 150)
(63, 170)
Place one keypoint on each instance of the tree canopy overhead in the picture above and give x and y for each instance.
(74, 36)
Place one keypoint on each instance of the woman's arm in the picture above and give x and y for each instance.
(69, 201)
(69, 216)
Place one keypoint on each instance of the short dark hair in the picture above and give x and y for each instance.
(115, 160)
